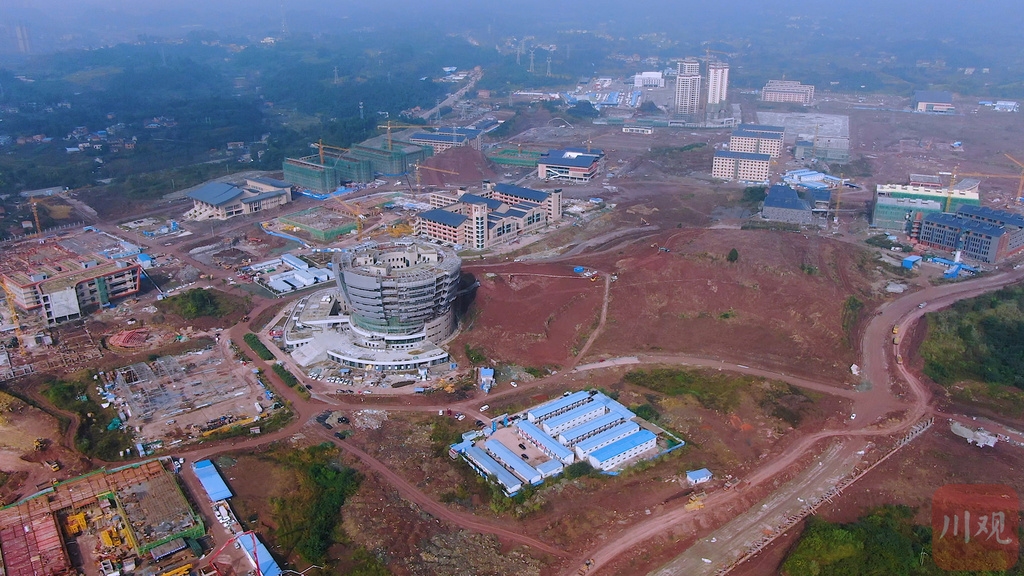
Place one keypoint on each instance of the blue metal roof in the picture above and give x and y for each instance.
(966, 224)
(619, 446)
(782, 196)
(211, 480)
(505, 455)
(561, 419)
(216, 193)
(264, 196)
(542, 411)
(268, 566)
(589, 445)
(698, 475)
(491, 203)
(764, 135)
(545, 440)
(742, 155)
(550, 467)
(572, 434)
(760, 128)
(1000, 217)
(524, 193)
(443, 217)
(490, 466)
(572, 158)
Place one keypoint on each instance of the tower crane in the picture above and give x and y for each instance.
(391, 125)
(35, 216)
(419, 188)
(319, 145)
(355, 213)
(957, 173)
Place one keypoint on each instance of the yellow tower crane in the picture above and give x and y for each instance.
(35, 216)
(356, 213)
(390, 125)
(956, 173)
(419, 187)
(319, 145)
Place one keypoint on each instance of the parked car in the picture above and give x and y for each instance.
(485, 407)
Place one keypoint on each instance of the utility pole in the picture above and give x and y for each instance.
(549, 66)
(360, 110)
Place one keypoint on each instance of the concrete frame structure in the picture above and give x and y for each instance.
(787, 91)
(741, 166)
(63, 286)
(391, 311)
(220, 201)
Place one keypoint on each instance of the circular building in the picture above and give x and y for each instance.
(400, 293)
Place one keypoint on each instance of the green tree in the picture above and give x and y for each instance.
(733, 256)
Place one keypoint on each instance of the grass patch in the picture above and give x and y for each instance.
(308, 517)
(99, 434)
(261, 350)
(852, 310)
(979, 339)
(475, 355)
(198, 303)
(714, 391)
(770, 225)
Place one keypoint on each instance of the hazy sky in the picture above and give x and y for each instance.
(53, 22)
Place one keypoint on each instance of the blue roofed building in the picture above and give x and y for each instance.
(220, 200)
(558, 406)
(622, 450)
(442, 139)
(695, 477)
(575, 435)
(258, 555)
(479, 221)
(978, 232)
(487, 466)
(784, 204)
(211, 480)
(542, 440)
(573, 418)
(571, 164)
(512, 461)
(613, 434)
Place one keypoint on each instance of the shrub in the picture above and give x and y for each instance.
(258, 347)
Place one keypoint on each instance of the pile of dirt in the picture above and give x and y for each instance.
(470, 164)
(467, 553)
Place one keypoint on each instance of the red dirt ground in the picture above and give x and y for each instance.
(534, 319)
(763, 309)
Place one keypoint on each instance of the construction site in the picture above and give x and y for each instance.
(131, 520)
(179, 398)
(321, 223)
(332, 166)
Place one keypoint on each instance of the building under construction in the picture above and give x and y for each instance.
(130, 516)
(320, 222)
(63, 276)
(331, 167)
